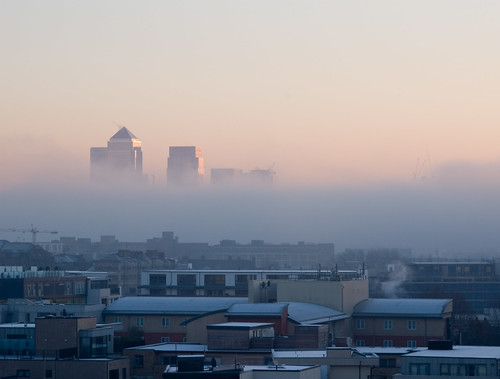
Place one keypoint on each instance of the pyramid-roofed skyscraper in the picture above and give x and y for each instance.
(122, 158)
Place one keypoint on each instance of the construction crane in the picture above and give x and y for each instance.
(33, 230)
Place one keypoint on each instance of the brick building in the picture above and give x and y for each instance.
(401, 322)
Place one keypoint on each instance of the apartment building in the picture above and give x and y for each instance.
(401, 322)
(59, 347)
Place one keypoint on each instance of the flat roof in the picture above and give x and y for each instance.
(282, 368)
(18, 325)
(173, 347)
(437, 263)
(380, 350)
(240, 325)
(299, 353)
(459, 351)
(292, 271)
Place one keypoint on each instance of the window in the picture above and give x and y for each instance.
(23, 373)
(387, 362)
(447, 369)
(411, 343)
(165, 339)
(360, 343)
(412, 325)
(215, 280)
(387, 343)
(186, 285)
(48, 373)
(157, 279)
(165, 321)
(118, 319)
(420, 369)
(387, 324)
(360, 324)
(138, 361)
(139, 321)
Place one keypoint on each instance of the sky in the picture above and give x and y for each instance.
(347, 101)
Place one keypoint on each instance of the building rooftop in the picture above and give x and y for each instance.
(388, 350)
(313, 313)
(487, 352)
(256, 309)
(172, 347)
(29, 325)
(171, 305)
(428, 308)
(282, 368)
(123, 133)
(297, 311)
(299, 353)
(240, 325)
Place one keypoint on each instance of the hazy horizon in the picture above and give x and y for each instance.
(380, 119)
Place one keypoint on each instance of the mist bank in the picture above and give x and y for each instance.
(434, 217)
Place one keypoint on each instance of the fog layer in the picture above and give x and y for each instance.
(455, 212)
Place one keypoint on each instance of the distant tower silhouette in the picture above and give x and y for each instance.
(121, 159)
(184, 165)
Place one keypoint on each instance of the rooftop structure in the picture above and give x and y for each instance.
(233, 282)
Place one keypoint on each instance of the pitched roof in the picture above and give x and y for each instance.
(430, 308)
(259, 309)
(307, 313)
(123, 133)
(145, 305)
(297, 311)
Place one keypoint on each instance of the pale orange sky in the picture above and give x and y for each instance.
(328, 92)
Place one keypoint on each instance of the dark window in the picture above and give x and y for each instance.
(218, 280)
(157, 279)
(48, 373)
(138, 361)
(114, 374)
(387, 362)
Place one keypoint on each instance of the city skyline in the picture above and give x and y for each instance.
(331, 94)
(380, 119)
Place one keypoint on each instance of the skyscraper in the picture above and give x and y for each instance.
(184, 165)
(121, 159)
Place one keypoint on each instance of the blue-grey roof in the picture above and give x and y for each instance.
(16, 247)
(240, 325)
(179, 347)
(430, 308)
(307, 313)
(256, 309)
(171, 305)
(303, 313)
(460, 352)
